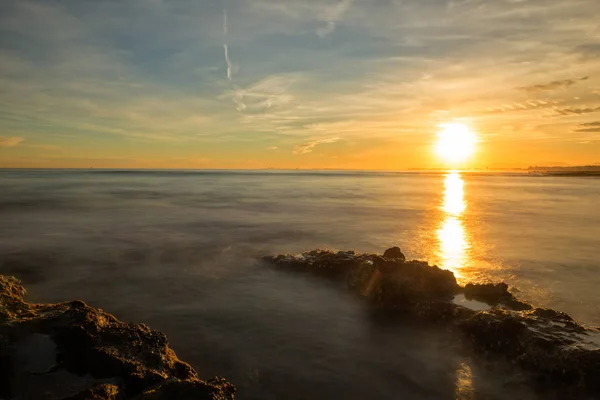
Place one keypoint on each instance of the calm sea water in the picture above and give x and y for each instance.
(176, 250)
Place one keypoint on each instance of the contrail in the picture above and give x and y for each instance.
(225, 48)
(227, 61)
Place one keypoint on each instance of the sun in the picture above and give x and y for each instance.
(456, 143)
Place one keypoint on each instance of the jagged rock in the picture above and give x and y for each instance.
(89, 352)
(394, 253)
(554, 348)
(389, 283)
(399, 285)
(320, 262)
(545, 342)
(101, 391)
(214, 389)
(494, 294)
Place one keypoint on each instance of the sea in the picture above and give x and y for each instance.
(178, 250)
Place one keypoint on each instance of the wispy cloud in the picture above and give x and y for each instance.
(308, 147)
(591, 127)
(523, 106)
(270, 92)
(565, 83)
(399, 69)
(597, 124)
(577, 111)
(331, 15)
(49, 147)
(10, 141)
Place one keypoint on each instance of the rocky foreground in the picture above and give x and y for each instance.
(559, 354)
(73, 351)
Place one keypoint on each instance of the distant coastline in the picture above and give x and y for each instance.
(566, 171)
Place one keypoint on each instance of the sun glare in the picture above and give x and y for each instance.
(456, 143)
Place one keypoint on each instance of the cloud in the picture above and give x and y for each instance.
(591, 127)
(589, 130)
(577, 111)
(308, 147)
(50, 147)
(10, 141)
(268, 93)
(83, 69)
(589, 50)
(565, 83)
(522, 106)
(331, 15)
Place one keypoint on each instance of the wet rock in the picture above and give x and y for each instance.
(215, 389)
(117, 359)
(319, 262)
(394, 253)
(550, 345)
(399, 284)
(494, 294)
(387, 282)
(543, 342)
(101, 391)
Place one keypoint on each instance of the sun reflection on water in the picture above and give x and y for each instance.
(454, 202)
(464, 382)
(454, 242)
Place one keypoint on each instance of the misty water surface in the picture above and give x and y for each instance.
(176, 250)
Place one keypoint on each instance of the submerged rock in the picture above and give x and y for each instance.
(74, 351)
(556, 350)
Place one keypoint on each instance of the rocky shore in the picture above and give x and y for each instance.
(74, 351)
(557, 352)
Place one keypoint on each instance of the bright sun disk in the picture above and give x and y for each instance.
(456, 142)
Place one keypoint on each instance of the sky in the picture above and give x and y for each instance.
(348, 84)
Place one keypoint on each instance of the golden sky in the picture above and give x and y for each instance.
(297, 83)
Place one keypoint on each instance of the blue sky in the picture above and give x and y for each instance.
(307, 84)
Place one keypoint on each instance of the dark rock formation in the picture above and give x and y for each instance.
(319, 262)
(556, 349)
(73, 351)
(394, 253)
(551, 346)
(387, 282)
(494, 294)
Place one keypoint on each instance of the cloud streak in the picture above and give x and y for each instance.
(331, 16)
(577, 111)
(308, 147)
(591, 127)
(10, 141)
(554, 85)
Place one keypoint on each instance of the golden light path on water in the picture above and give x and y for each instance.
(453, 239)
(454, 244)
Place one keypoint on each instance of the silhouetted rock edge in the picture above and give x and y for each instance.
(555, 349)
(113, 359)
